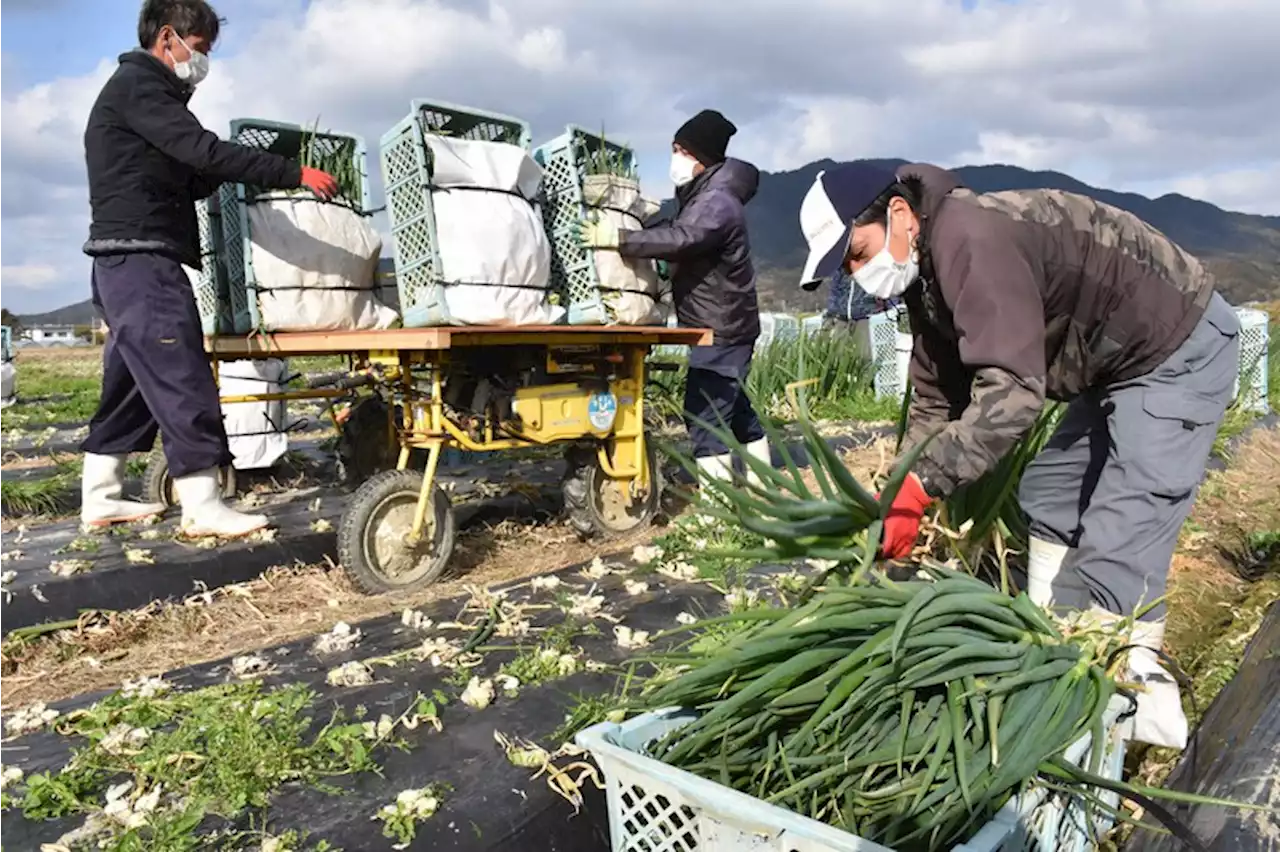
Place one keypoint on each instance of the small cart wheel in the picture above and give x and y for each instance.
(157, 484)
(373, 537)
(598, 505)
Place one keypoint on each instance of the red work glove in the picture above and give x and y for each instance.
(902, 523)
(321, 183)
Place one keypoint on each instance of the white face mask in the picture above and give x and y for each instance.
(193, 69)
(682, 168)
(884, 277)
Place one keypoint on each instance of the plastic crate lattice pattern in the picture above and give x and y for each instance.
(654, 807)
(1254, 347)
(573, 271)
(406, 173)
(890, 369)
(286, 140)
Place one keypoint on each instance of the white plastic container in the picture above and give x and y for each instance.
(654, 807)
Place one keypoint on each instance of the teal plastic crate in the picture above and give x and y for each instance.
(212, 297)
(654, 807)
(234, 198)
(406, 175)
(573, 270)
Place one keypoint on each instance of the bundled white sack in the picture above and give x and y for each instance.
(315, 265)
(255, 430)
(629, 287)
(495, 260)
(8, 382)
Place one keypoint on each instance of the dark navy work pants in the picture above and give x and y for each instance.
(155, 374)
(715, 393)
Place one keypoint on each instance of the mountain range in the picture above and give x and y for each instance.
(1242, 250)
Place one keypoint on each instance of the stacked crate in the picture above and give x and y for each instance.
(573, 271)
(406, 174)
(234, 199)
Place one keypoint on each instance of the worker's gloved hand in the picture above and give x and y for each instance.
(321, 183)
(902, 523)
(600, 234)
(664, 269)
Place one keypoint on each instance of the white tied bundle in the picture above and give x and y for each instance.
(255, 430)
(316, 265)
(8, 380)
(629, 287)
(495, 260)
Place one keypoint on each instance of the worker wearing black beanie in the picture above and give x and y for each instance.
(706, 136)
(713, 284)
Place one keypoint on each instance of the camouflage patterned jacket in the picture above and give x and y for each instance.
(1028, 295)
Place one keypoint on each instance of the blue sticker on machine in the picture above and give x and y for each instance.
(602, 410)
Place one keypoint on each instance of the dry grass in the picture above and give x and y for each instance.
(866, 461)
(283, 605)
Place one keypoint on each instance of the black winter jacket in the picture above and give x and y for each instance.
(150, 160)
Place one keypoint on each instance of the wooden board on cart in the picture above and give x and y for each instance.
(277, 344)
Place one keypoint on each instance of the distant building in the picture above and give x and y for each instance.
(51, 334)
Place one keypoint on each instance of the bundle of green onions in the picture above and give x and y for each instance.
(337, 156)
(841, 523)
(602, 157)
(906, 713)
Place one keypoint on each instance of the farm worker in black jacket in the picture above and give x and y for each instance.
(149, 161)
(713, 282)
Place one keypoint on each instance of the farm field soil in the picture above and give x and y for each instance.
(291, 602)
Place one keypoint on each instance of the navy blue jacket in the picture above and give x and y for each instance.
(713, 282)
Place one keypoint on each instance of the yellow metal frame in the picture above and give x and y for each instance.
(549, 414)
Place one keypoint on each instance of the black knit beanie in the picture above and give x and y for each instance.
(706, 136)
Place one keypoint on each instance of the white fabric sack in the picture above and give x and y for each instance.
(315, 264)
(629, 287)
(244, 419)
(494, 253)
(8, 380)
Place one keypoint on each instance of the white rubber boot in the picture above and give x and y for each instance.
(204, 513)
(1159, 719)
(758, 450)
(101, 483)
(1048, 583)
(713, 468)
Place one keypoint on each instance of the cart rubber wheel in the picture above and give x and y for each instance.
(597, 505)
(371, 536)
(157, 484)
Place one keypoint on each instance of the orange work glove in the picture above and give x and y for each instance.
(902, 523)
(321, 183)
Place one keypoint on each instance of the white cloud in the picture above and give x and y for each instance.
(1129, 94)
(32, 277)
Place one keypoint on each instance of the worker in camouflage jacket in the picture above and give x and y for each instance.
(1018, 298)
(713, 284)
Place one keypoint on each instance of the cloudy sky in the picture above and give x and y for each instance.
(1152, 96)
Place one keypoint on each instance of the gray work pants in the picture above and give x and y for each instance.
(1118, 477)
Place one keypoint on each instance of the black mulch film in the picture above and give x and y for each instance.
(493, 805)
(1234, 754)
(36, 595)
